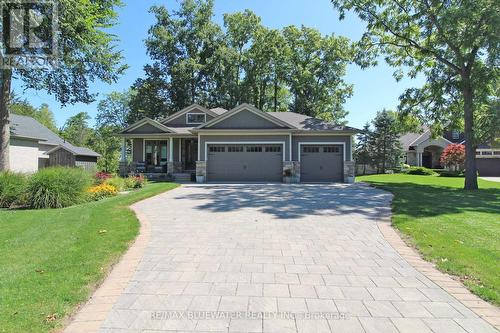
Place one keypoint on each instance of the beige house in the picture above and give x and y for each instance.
(33, 146)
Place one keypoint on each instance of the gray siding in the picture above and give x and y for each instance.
(317, 138)
(137, 154)
(244, 138)
(181, 120)
(245, 120)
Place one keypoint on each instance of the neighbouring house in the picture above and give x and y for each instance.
(242, 144)
(421, 149)
(33, 146)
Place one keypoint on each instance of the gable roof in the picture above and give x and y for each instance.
(80, 151)
(191, 108)
(145, 121)
(414, 139)
(247, 107)
(30, 128)
(304, 122)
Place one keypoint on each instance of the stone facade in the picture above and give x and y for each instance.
(201, 171)
(291, 172)
(349, 171)
(174, 167)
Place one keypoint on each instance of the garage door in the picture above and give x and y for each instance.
(488, 167)
(233, 162)
(321, 163)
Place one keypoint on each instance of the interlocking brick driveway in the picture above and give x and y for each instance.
(276, 250)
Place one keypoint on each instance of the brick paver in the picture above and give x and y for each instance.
(277, 258)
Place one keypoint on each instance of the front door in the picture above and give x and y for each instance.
(190, 152)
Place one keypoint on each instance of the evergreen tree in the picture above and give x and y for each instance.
(363, 150)
(384, 141)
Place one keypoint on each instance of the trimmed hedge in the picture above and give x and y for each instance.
(58, 187)
(12, 188)
(421, 171)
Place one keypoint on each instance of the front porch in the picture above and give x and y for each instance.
(159, 157)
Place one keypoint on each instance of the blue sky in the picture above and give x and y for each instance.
(374, 88)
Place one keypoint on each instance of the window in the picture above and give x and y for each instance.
(310, 149)
(254, 149)
(235, 149)
(273, 149)
(155, 152)
(195, 118)
(331, 149)
(217, 149)
(455, 135)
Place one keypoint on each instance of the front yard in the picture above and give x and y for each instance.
(458, 230)
(51, 259)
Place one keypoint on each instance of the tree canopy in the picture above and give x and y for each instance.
(194, 60)
(86, 53)
(455, 45)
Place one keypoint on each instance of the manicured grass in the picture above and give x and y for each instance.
(50, 260)
(458, 230)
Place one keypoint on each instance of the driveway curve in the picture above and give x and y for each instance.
(278, 258)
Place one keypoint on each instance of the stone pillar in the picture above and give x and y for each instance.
(349, 171)
(123, 166)
(291, 172)
(201, 171)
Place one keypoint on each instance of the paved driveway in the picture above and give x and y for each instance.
(244, 258)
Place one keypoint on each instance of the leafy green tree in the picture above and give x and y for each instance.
(151, 98)
(182, 46)
(43, 114)
(455, 45)
(86, 53)
(104, 141)
(114, 109)
(316, 69)
(197, 61)
(384, 142)
(76, 130)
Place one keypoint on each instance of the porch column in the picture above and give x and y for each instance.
(123, 165)
(171, 150)
(123, 157)
(419, 159)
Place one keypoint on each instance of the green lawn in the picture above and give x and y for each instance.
(458, 230)
(52, 259)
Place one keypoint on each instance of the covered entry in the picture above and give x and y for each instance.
(321, 162)
(245, 162)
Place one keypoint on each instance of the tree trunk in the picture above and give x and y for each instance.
(275, 95)
(5, 84)
(470, 145)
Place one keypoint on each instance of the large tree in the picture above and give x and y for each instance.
(76, 129)
(197, 61)
(86, 53)
(385, 148)
(455, 45)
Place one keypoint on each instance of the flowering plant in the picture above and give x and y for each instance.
(102, 191)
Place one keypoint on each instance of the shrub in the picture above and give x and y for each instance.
(445, 173)
(135, 182)
(453, 156)
(12, 188)
(420, 171)
(58, 187)
(101, 177)
(102, 191)
(117, 182)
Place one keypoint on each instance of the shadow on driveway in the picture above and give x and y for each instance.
(294, 201)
